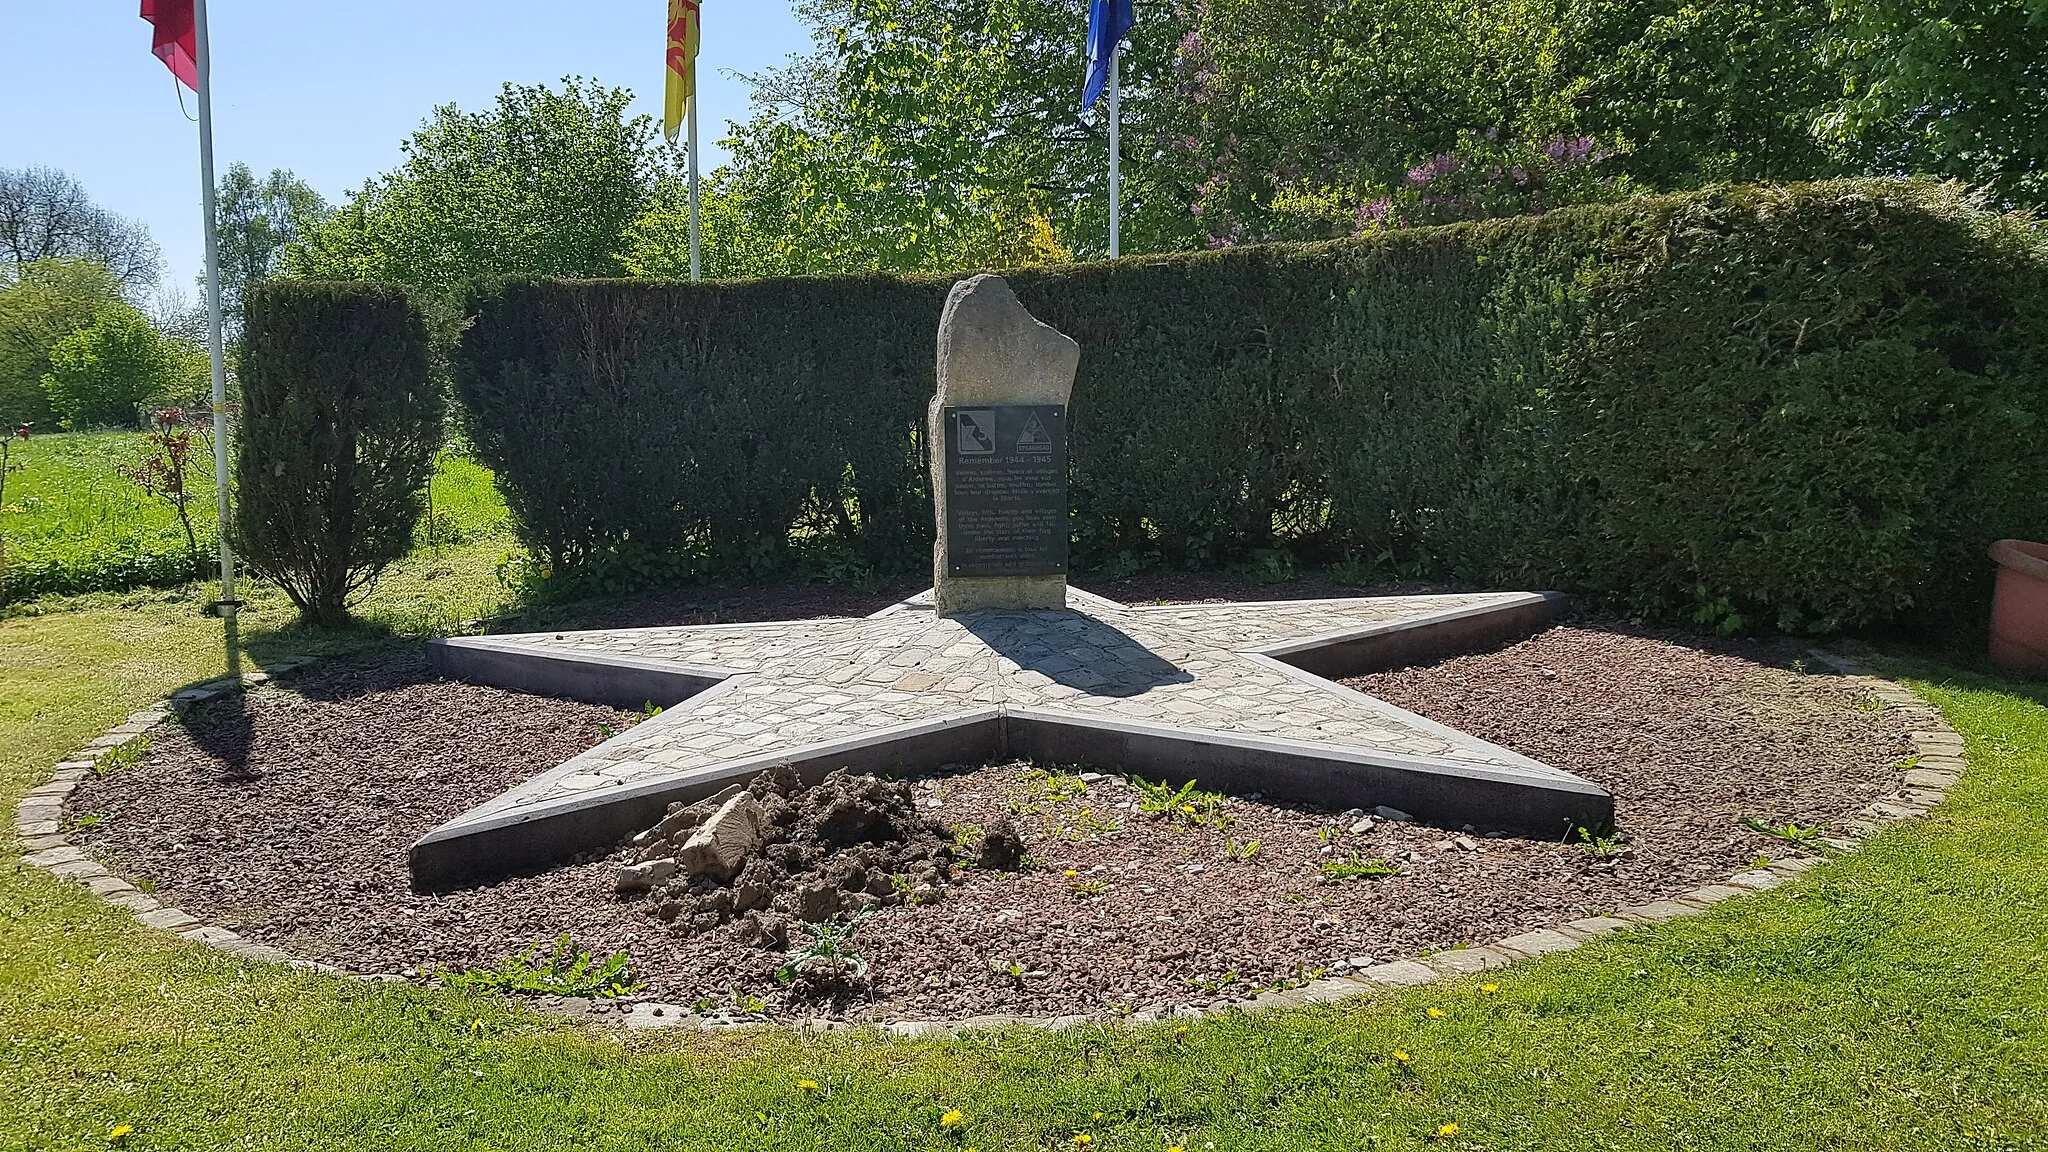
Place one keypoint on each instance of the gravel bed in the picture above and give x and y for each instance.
(287, 821)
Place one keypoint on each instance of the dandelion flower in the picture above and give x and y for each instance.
(1489, 989)
(952, 1119)
(1098, 1115)
(1400, 1057)
(807, 1085)
(1176, 1148)
(477, 1025)
(1181, 1031)
(1072, 872)
(1447, 1131)
(120, 1132)
(1082, 1139)
(1436, 1013)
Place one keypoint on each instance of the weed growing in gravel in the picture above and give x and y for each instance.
(1186, 804)
(88, 820)
(829, 953)
(1218, 984)
(1907, 765)
(1870, 704)
(968, 837)
(1609, 847)
(1087, 827)
(1759, 861)
(1087, 889)
(568, 971)
(1790, 832)
(748, 1003)
(122, 759)
(1358, 868)
(1241, 851)
(1054, 785)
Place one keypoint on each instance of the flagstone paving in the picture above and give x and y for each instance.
(1204, 670)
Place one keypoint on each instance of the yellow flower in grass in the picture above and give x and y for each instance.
(1489, 989)
(1401, 1057)
(1098, 1115)
(807, 1085)
(1446, 1131)
(952, 1119)
(1176, 1148)
(1436, 1013)
(1082, 1139)
(120, 1132)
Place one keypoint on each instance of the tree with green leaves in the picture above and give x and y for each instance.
(259, 219)
(544, 183)
(930, 134)
(45, 301)
(1955, 88)
(101, 375)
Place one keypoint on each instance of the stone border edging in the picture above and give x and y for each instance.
(1937, 750)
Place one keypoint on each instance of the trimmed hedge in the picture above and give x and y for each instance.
(340, 423)
(1808, 407)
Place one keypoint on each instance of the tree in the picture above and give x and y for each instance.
(930, 134)
(1955, 88)
(45, 214)
(101, 375)
(258, 220)
(543, 184)
(46, 301)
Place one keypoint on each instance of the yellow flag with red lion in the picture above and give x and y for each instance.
(684, 32)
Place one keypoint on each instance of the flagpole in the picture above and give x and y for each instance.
(696, 257)
(1116, 116)
(203, 60)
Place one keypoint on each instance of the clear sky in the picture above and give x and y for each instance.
(328, 90)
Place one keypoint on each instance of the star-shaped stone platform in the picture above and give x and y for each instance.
(1233, 695)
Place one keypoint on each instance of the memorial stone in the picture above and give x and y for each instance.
(998, 441)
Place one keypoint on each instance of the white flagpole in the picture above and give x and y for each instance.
(204, 63)
(696, 257)
(1116, 116)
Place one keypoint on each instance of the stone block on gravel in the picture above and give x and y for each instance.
(640, 877)
(206, 934)
(722, 843)
(1711, 894)
(136, 902)
(1400, 974)
(1930, 779)
(1541, 942)
(51, 857)
(1924, 797)
(30, 845)
(1331, 990)
(1466, 961)
(262, 952)
(77, 869)
(1657, 911)
(108, 885)
(169, 919)
(1592, 926)
(1759, 880)
(38, 827)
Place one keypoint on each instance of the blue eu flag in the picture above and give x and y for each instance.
(1109, 21)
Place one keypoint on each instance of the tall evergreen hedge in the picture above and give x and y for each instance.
(1808, 407)
(340, 423)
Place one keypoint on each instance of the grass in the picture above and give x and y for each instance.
(1893, 1000)
(73, 523)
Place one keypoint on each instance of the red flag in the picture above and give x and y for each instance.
(177, 39)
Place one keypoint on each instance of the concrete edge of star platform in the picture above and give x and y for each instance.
(500, 838)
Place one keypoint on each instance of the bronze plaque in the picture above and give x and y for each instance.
(1006, 490)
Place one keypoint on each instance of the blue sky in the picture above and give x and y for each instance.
(327, 90)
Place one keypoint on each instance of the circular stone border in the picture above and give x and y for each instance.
(1937, 764)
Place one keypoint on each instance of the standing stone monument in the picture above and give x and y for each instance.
(998, 436)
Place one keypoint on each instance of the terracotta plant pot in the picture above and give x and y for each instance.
(2019, 607)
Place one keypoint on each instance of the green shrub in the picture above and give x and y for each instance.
(339, 429)
(1807, 407)
(100, 376)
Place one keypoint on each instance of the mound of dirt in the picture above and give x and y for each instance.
(793, 853)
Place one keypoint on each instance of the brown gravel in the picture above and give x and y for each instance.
(288, 821)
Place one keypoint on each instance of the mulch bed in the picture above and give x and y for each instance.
(287, 820)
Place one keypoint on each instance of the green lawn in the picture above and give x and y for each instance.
(72, 522)
(1896, 999)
